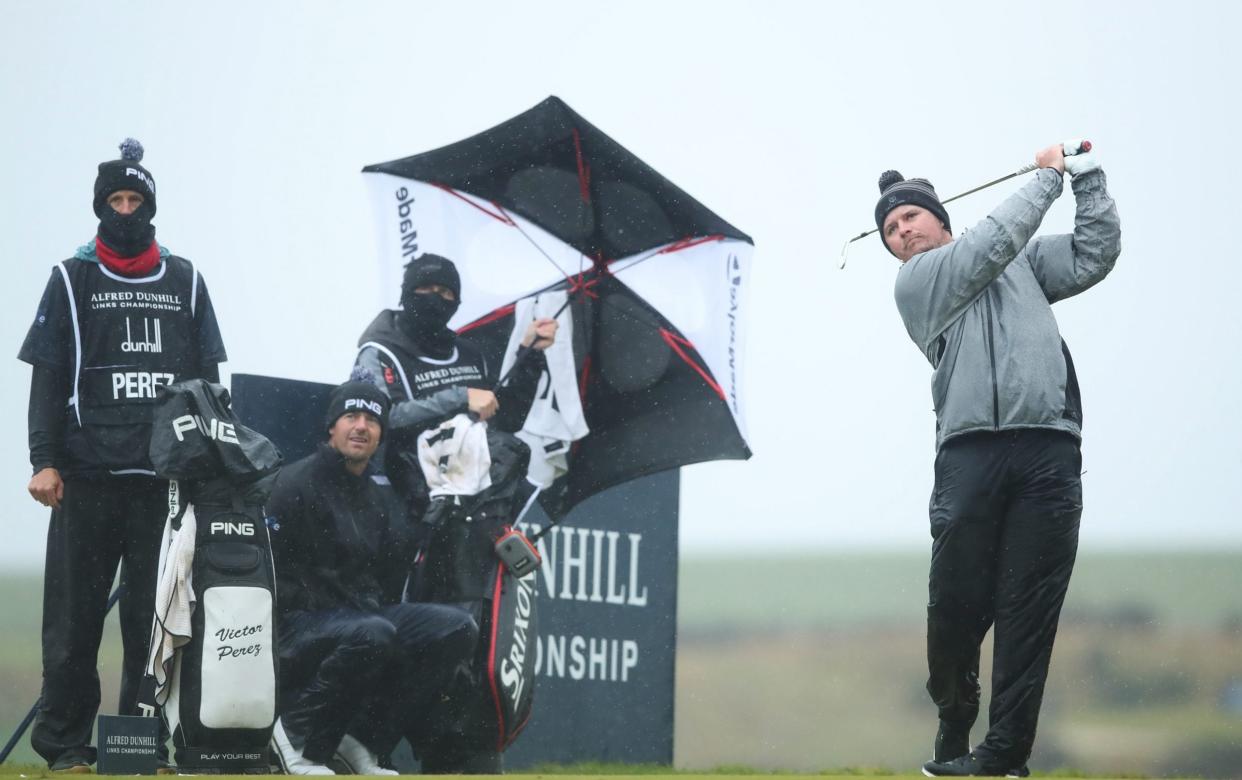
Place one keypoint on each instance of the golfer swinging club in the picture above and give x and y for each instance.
(1008, 497)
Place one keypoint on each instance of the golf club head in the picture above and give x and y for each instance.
(846, 247)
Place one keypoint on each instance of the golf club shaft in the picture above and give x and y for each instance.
(34, 708)
(1006, 177)
(21, 729)
(544, 531)
(1083, 147)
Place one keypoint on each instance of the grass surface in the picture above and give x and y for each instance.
(811, 664)
(607, 771)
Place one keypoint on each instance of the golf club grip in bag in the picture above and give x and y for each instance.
(222, 704)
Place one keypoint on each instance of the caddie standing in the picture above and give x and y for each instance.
(119, 320)
(1008, 496)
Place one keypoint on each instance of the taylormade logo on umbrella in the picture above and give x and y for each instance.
(408, 235)
(734, 271)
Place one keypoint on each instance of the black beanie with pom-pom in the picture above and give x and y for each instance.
(124, 174)
(896, 190)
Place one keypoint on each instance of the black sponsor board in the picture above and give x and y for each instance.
(128, 744)
(605, 643)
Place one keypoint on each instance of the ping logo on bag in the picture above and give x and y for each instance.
(213, 429)
(235, 529)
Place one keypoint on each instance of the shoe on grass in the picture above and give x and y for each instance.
(359, 760)
(970, 765)
(71, 762)
(952, 741)
(291, 759)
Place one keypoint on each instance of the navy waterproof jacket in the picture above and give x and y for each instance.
(339, 541)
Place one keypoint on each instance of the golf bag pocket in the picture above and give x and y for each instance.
(238, 685)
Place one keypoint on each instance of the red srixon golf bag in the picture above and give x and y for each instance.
(473, 558)
(509, 637)
(212, 668)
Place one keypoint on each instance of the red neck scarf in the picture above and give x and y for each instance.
(140, 264)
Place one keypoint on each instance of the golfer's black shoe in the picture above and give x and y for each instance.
(970, 765)
(952, 741)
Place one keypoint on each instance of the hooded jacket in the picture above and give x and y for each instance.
(980, 309)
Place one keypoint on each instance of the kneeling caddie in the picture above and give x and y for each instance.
(357, 666)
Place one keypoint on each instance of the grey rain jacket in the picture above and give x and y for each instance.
(980, 309)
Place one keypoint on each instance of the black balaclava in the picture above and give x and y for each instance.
(126, 234)
(424, 316)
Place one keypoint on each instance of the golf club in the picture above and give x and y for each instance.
(1083, 146)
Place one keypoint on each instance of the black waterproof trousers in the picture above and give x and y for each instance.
(100, 522)
(1004, 524)
(366, 674)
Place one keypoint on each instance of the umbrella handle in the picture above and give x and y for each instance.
(524, 352)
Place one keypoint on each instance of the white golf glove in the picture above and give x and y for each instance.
(1076, 162)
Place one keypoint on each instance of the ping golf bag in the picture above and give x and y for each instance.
(472, 557)
(212, 667)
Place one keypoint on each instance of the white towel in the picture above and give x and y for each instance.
(556, 418)
(455, 458)
(174, 596)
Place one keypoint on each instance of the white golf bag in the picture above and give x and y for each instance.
(212, 665)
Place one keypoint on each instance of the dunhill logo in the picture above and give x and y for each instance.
(151, 340)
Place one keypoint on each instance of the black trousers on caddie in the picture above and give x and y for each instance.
(366, 674)
(100, 522)
(1004, 522)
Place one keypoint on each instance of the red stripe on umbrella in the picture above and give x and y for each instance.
(501, 217)
(674, 341)
(501, 313)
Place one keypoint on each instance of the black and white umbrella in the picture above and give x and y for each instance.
(545, 203)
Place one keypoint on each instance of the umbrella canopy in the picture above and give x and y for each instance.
(557, 170)
(657, 281)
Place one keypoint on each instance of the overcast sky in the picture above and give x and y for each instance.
(779, 116)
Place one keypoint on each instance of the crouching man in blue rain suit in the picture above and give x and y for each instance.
(356, 665)
(1008, 497)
